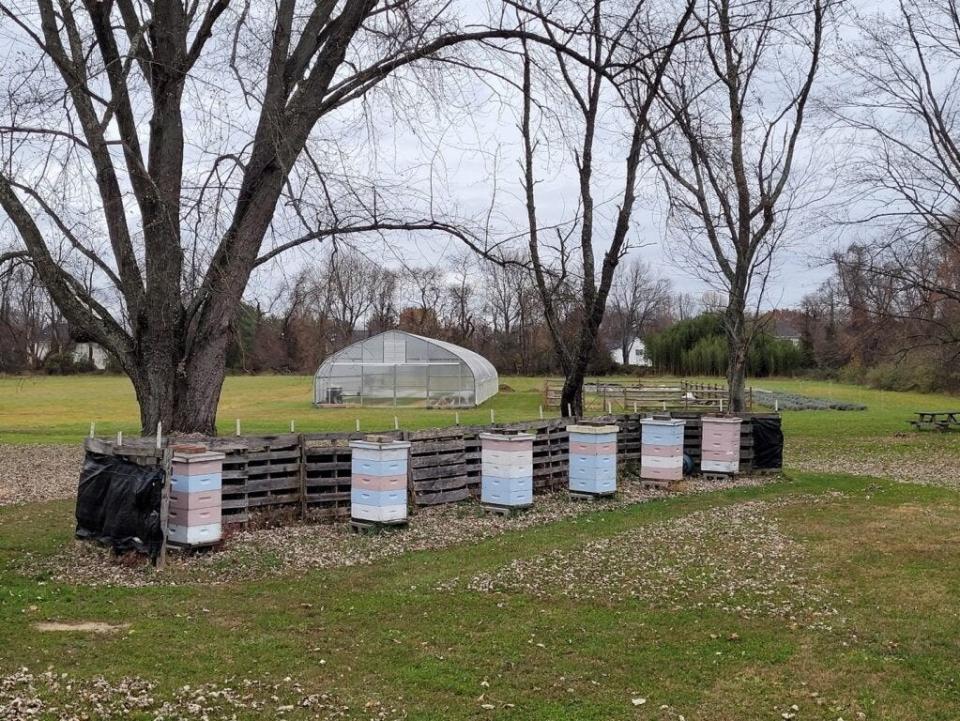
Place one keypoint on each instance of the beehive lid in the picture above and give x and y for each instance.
(198, 457)
(721, 419)
(378, 445)
(596, 430)
(662, 421)
(506, 436)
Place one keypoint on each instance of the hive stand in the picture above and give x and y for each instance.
(193, 513)
(593, 461)
(378, 484)
(661, 454)
(506, 484)
(720, 447)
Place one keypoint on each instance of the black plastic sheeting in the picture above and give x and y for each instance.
(118, 504)
(767, 443)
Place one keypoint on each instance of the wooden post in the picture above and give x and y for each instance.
(166, 462)
(301, 442)
(238, 426)
(541, 413)
(293, 426)
(456, 418)
(396, 423)
(358, 424)
(119, 438)
(93, 428)
(493, 417)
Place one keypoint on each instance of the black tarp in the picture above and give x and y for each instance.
(767, 443)
(118, 504)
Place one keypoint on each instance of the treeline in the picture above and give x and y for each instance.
(698, 346)
(889, 318)
(492, 309)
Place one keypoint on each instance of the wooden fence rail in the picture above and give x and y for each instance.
(312, 471)
(608, 397)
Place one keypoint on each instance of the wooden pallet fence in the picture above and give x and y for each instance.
(438, 466)
(326, 477)
(273, 471)
(312, 471)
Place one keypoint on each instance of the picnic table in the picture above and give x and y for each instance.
(938, 420)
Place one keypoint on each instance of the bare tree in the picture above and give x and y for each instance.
(155, 142)
(903, 105)
(733, 107)
(637, 297)
(631, 45)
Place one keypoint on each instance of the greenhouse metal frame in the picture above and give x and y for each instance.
(400, 368)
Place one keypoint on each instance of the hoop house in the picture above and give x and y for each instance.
(399, 368)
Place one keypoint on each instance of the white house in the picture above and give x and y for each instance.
(636, 354)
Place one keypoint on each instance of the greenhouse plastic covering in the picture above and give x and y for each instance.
(399, 368)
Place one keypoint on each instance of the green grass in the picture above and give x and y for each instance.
(385, 634)
(43, 409)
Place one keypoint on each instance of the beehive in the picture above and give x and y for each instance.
(378, 481)
(720, 444)
(506, 474)
(593, 459)
(661, 451)
(193, 515)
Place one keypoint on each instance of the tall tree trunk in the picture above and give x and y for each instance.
(180, 392)
(737, 342)
(571, 397)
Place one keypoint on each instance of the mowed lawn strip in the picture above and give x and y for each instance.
(388, 633)
(46, 409)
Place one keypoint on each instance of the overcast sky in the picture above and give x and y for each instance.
(465, 157)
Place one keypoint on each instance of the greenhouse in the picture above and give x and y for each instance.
(399, 368)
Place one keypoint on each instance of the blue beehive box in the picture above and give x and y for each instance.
(506, 470)
(378, 481)
(593, 459)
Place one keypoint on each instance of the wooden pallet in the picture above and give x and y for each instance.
(584, 496)
(438, 466)
(373, 527)
(495, 509)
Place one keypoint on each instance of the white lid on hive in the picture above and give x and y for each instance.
(507, 436)
(595, 430)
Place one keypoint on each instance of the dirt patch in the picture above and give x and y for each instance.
(81, 627)
(29, 474)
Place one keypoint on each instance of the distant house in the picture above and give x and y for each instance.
(786, 331)
(636, 354)
(95, 353)
(56, 339)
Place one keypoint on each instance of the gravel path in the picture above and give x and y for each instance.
(38, 473)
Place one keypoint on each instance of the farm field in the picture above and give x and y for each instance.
(816, 595)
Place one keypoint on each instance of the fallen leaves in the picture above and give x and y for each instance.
(300, 547)
(733, 558)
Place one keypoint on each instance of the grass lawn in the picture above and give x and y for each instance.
(819, 596)
(396, 638)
